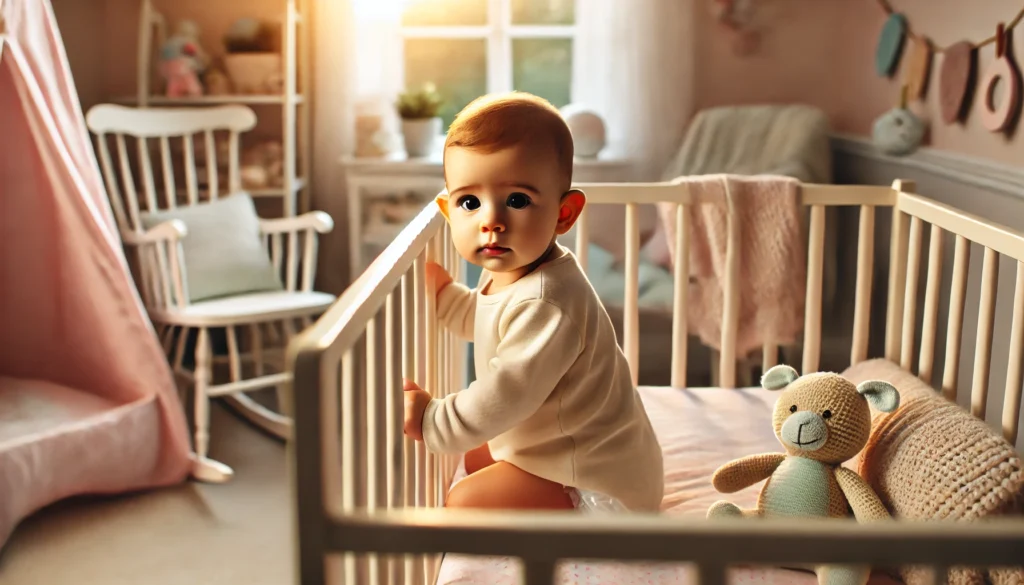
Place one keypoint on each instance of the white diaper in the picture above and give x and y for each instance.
(590, 502)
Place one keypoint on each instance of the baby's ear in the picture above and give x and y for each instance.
(778, 377)
(882, 395)
(569, 210)
(442, 204)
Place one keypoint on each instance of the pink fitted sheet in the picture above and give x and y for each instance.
(699, 429)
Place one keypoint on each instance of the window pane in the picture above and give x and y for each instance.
(544, 11)
(445, 13)
(543, 67)
(457, 66)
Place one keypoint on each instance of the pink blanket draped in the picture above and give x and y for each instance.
(70, 313)
(772, 257)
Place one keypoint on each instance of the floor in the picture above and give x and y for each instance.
(191, 534)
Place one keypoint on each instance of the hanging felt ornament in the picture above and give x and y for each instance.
(956, 78)
(997, 118)
(898, 131)
(890, 44)
(920, 67)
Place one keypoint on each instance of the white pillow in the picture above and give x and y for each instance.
(224, 253)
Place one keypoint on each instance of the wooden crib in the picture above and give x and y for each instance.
(368, 499)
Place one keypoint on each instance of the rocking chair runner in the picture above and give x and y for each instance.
(159, 258)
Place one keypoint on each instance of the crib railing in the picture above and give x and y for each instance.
(368, 499)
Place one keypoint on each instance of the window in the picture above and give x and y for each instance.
(472, 47)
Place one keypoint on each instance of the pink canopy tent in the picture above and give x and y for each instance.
(87, 400)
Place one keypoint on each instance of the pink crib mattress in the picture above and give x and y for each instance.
(718, 425)
(57, 442)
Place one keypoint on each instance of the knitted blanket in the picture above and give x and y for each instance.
(772, 257)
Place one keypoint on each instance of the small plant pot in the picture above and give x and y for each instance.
(420, 135)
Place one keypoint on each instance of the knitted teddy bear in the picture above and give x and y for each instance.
(822, 420)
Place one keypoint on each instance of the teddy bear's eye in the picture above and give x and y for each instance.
(792, 408)
(827, 414)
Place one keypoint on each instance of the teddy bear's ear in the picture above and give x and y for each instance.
(882, 395)
(778, 377)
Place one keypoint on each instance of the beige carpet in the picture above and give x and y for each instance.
(193, 534)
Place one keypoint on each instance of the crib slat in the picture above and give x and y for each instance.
(631, 316)
(865, 265)
(376, 423)
(413, 569)
(710, 574)
(955, 323)
(353, 453)
(430, 381)
(538, 572)
(582, 238)
(731, 296)
(1015, 370)
(910, 294)
(983, 340)
(933, 288)
(680, 297)
(812, 308)
(897, 279)
(394, 400)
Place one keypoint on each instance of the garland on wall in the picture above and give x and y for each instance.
(957, 72)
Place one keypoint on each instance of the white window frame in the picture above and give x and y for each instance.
(499, 34)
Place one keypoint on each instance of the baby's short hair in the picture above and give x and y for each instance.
(496, 121)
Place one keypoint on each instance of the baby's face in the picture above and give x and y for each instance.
(503, 207)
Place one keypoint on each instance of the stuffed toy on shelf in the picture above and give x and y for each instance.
(822, 420)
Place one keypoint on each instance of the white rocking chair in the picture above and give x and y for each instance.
(159, 267)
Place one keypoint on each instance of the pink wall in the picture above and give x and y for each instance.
(822, 53)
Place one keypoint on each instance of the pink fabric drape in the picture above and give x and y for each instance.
(69, 310)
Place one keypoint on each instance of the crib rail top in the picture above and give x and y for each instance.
(665, 538)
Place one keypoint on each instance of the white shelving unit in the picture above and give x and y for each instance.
(296, 131)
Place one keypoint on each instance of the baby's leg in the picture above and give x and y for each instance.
(477, 459)
(505, 486)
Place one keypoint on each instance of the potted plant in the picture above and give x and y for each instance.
(420, 123)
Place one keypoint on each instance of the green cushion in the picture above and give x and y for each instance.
(224, 254)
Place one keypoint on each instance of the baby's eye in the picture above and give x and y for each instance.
(792, 408)
(827, 414)
(517, 200)
(468, 202)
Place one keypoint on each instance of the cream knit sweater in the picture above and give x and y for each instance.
(553, 394)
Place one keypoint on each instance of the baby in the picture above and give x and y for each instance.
(553, 420)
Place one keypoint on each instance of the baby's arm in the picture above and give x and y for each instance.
(538, 345)
(456, 309)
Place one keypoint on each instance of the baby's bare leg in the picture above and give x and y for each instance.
(505, 486)
(477, 459)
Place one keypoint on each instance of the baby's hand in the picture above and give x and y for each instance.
(437, 278)
(416, 400)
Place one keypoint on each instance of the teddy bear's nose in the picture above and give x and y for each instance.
(805, 430)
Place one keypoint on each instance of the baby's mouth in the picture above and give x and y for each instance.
(493, 250)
